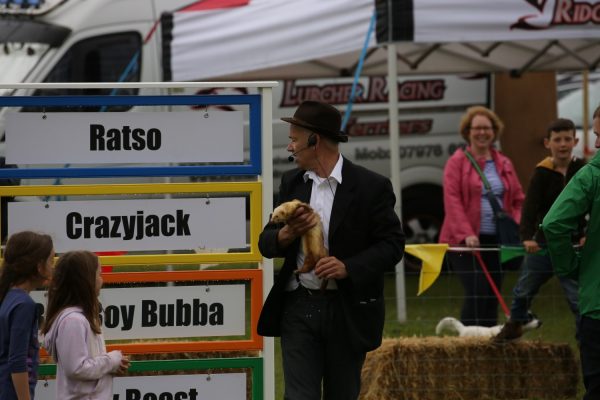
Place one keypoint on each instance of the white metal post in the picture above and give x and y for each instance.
(267, 206)
(395, 168)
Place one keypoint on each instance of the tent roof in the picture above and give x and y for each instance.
(280, 39)
(467, 57)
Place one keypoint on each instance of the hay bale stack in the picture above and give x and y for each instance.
(448, 368)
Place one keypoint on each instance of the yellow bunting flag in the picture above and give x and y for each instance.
(432, 256)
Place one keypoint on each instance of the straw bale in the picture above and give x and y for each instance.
(448, 368)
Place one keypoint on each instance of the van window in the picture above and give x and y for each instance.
(98, 59)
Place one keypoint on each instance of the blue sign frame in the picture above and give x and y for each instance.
(254, 167)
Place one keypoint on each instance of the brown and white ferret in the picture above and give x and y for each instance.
(312, 241)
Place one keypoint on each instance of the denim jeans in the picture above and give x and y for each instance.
(537, 270)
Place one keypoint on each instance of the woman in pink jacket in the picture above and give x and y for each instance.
(469, 219)
(72, 331)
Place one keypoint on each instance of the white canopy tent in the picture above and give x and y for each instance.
(279, 39)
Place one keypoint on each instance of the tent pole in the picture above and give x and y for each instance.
(395, 167)
(587, 153)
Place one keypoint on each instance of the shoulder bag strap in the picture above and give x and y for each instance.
(491, 198)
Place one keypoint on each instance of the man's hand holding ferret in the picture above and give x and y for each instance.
(297, 225)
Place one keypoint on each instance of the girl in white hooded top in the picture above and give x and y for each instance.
(72, 330)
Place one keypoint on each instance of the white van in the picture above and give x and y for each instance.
(119, 40)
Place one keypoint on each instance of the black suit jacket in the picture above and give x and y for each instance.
(364, 233)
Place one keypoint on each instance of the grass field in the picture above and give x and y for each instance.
(444, 298)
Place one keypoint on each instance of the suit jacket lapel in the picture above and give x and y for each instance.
(343, 197)
(302, 190)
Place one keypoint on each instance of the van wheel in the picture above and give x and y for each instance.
(423, 214)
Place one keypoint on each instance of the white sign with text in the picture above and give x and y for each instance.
(134, 225)
(169, 312)
(230, 386)
(124, 137)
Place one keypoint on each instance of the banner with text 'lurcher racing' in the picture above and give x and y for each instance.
(134, 225)
(126, 137)
(169, 312)
(231, 386)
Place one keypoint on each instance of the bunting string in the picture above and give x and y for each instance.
(432, 256)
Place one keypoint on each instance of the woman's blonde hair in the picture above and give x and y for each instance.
(472, 112)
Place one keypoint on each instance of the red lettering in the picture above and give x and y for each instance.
(313, 93)
(418, 126)
(339, 94)
(421, 90)
(583, 13)
(576, 13)
(438, 89)
(562, 12)
(360, 96)
(381, 128)
(424, 90)
(377, 90)
(406, 91)
(289, 99)
(294, 94)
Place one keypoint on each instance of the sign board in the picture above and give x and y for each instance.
(253, 166)
(170, 312)
(425, 91)
(134, 225)
(231, 386)
(124, 137)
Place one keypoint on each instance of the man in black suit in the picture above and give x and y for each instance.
(326, 331)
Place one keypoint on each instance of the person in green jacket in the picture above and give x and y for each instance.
(581, 196)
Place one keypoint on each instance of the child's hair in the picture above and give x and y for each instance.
(23, 254)
(74, 285)
(560, 125)
(596, 113)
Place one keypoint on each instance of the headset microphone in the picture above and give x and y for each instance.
(292, 157)
(312, 141)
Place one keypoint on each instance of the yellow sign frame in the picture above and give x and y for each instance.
(254, 189)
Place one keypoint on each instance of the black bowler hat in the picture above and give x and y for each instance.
(319, 117)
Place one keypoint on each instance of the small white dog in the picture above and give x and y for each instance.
(454, 325)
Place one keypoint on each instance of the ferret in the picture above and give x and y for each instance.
(312, 241)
